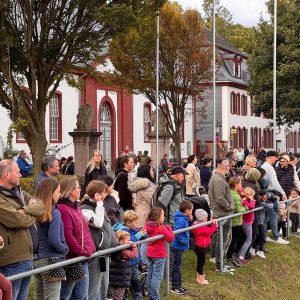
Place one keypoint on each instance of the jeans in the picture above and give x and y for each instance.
(260, 239)
(45, 289)
(226, 241)
(177, 268)
(76, 290)
(135, 285)
(272, 218)
(155, 275)
(20, 287)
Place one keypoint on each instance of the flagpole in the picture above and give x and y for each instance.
(157, 91)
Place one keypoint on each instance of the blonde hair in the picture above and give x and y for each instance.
(130, 216)
(121, 234)
(91, 164)
(249, 192)
(249, 158)
(67, 185)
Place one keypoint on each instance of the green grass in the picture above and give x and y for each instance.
(276, 277)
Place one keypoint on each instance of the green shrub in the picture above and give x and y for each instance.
(27, 185)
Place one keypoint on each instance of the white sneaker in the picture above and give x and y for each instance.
(213, 260)
(261, 254)
(268, 239)
(281, 241)
(252, 251)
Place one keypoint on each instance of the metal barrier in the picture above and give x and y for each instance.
(155, 238)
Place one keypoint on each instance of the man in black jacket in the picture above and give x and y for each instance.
(285, 174)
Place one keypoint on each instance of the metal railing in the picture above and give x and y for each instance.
(155, 238)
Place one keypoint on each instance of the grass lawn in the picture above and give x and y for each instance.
(276, 277)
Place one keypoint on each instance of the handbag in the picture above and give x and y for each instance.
(75, 271)
(57, 274)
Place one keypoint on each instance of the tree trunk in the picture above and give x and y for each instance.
(38, 150)
(177, 143)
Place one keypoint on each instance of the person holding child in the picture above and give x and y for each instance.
(249, 203)
(182, 219)
(203, 240)
(294, 210)
(52, 244)
(156, 251)
(120, 267)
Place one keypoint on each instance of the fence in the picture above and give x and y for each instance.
(158, 237)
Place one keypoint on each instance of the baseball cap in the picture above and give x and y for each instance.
(272, 153)
(177, 170)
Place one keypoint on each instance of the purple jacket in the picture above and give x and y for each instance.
(74, 222)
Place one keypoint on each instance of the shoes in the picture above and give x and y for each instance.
(268, 239)
(261, 254)
(229, 267)
(281, 241)
(212, 260)
(265, 250)
(225, 270)
(252, 251)
(201, 279)
(184, 290)
(248, 256)
(177, 291)
(243, 261)
(237, 262)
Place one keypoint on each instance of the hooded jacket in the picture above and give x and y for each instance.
(15, 226)
(181, 240)
(157, 249)
(238, 208)
(144, 190)
(75, 229)
(203, 235)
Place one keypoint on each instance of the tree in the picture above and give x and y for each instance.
(288, 64)
(185, 62)
(41, 42)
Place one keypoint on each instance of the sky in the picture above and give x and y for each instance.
(245, 12)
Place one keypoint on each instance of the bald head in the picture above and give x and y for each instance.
(9, 174)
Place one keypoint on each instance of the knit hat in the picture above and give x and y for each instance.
(200, 214)
(286, 157)
(252, 174)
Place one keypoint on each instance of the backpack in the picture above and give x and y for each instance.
(156, 203)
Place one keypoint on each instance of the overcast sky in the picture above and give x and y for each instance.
(245, 12)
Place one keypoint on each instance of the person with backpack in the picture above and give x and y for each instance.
(168, 194)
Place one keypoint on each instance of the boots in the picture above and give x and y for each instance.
(201, 279)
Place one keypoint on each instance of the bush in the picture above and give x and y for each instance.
(27, 185)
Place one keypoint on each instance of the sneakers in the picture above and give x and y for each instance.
(281, 241)
(261, 254)
(212, 260)
(177, 291)
(268, 239)
(237, 262)
(184, 290)
(252, 251)
(225, 270)
(243, 261)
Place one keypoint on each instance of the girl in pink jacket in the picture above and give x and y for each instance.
(203, 240)
(156, 251)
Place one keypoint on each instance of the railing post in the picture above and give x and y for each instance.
(287, 223)
(168, 270)
(221, 247)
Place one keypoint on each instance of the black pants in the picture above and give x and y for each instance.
(235, 237)
(294, 217)
(201, 253)
(282, 225)
(260, 239)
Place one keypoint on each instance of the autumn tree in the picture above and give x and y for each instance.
(41, 42)
(288, 64)
(184, 63)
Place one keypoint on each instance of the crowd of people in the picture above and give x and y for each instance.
(64, 220)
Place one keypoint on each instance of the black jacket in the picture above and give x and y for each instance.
(94, 175)
(121, 185)
(285, 178)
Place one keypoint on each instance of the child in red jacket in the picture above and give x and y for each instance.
(203, 241)
(156, 251)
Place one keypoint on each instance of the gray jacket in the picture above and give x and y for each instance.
(220, 197)
(170, 198)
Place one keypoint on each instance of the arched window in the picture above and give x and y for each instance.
(233, 103)
(265, 135)
(272, 140)
(233, 137)
(105, 113)
(147, 122)
(259, 137)
(55, 118)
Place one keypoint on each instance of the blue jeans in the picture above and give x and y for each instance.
(272, 218)
(20, 287)
(135, 285)
(154, 277)
(176, 268)
(76, 290)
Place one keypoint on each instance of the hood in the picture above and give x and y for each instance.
(179, 215)
(253, 175)
(138, 184)
(151, 227)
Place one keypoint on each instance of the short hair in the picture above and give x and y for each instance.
(184, 205)
(206, 160)
(48, 162)
(6, 166)
(107, 179)
(233, 181)
(191, 158)
(220, 161)
(130, 216)
(146, 152)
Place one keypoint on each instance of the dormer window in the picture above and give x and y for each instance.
(237, 68)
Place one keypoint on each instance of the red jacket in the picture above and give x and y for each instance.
(157, 249)
(203, 234)
(248, 218)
